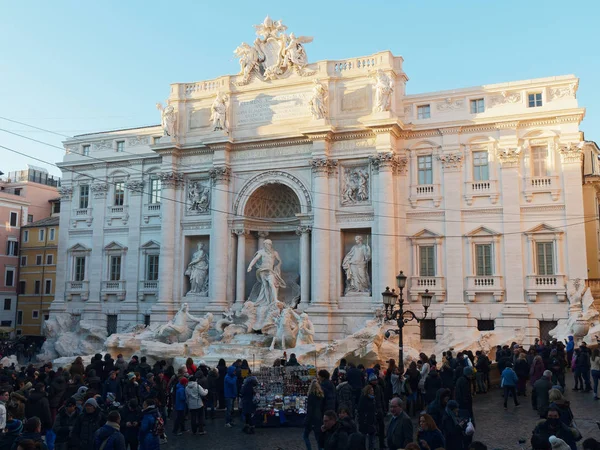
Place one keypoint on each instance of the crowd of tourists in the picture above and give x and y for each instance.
(107, 403)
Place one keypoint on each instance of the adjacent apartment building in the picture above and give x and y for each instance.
(37, 274)
(25, 196)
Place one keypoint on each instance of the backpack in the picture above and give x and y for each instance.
(159, 426)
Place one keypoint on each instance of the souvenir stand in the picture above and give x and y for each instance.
(282, 395)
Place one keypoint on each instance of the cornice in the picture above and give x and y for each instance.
(424, 214)
(272, 144)
(362, 134)
(541, 208)
(478, 211)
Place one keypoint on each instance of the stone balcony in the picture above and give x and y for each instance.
(435, 285)
(81, 215)
(151, 210)
(546, 284)
(147, 287)
(486, 188)
(490, 284)
(419, 192)
(541, 185)
(81, 288)
(116, 287)
(117, 212)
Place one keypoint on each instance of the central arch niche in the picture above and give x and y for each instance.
(273, 201)
(272, 208)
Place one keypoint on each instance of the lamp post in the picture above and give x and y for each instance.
(394, 310)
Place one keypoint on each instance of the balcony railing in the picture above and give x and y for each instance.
(435, 285)
(540, 185)
(148, 286)
(78, 286)
(113, 286)
(488, 284)
(117, 210)
(551, 284)
(83, 212)
(486, 188)
(425, 192)
(153, 207)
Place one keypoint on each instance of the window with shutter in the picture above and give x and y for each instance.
(545, 258)
(427, 261)
(539, 157)
(484, 259)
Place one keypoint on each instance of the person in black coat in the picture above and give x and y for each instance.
(222, 368)
(367, 423)
(462, 393)
(86, 425)
(355, 380)
(31, 431)
(38, 405)
(56, 393)
(94, 382)
(131, 419)
(453, 427)
(437, 408)
(522, 371)
(65, 420)
(314, 413)
(248, 404)
(328, 390)
(433, 383)
(356, 440)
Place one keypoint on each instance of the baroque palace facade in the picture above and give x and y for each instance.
(475, 194)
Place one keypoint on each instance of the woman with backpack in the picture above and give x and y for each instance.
(152, 427)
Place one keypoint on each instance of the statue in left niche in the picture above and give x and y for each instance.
(168, 119)
(197, 270)
(218, 113)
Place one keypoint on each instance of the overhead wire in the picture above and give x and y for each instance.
(262, 219)
(124, 164)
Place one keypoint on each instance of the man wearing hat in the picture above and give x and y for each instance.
(86, 425)
(65, 420)
(131, 390)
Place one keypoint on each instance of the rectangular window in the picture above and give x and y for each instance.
(426, 261)
(147, 319)
(423, 112)
(111, 323)
(481, 168)
(120, 146)
(5, 323)
(85, 150)
(545, 258)
(119, 193)
(84, 196)
(23, 261)
(155, 190)
(29, 218)
(48, 287)
(428, 329)
(37, 287)
(49, 259)
(38, 260)
(9, 277)
(52, 234)
(35, 314)
(19, 319)
(152, 268)
(18, 192)
(115, 268)
(539, 159)
(483, 253)
(19, 332)
(534, 100)
(26, 236)
(14, 219)
(7, 304)
(56, 208)
(22, 287)
(155, 140)
(42, 234)
(477, 106)
(425, 167)
(485, 325)
(12, 248)
(79, 274)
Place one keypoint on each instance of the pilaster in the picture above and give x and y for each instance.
(219, 235)
(304, 233)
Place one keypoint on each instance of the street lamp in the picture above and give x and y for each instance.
(391, 300)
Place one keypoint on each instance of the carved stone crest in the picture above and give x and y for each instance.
(99, 189)
(571, 152)
(138, 140)
(505, 97)
(509, 157)
(274, 54)
(65, 192)
(198, 197)
(564, 91)
(354, 186)
(135, 186)
(451, 162)
(105, 144)
(450, 105)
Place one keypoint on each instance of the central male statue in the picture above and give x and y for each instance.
(268, 273)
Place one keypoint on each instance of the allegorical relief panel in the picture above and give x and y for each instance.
(198, 197)
(355, 186)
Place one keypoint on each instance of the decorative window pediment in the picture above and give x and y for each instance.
(482, 232)
(544, 229)
(425, 234)
(150, 245)
(79, 248)
(115, 246)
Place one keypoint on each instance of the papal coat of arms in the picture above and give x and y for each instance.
(275, 54)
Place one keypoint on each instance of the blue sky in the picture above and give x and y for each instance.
(75, 67)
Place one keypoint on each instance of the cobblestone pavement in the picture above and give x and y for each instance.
(497, 428)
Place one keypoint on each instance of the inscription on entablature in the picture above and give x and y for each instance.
(272, 108)
(355, 100)
(241, 155)
(199, 118)
(341, 146)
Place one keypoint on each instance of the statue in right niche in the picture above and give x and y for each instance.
(356, 267)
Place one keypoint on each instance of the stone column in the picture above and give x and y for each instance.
(62, 255)
(304, 233)
(575, 246)
(321, 168)
(134, 266)
(219, 235)
(171, 183)
(240, 275)
(384, 251)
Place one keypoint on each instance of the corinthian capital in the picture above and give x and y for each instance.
(509, 156)
(571, 152)
(220, 174)
(384, 161)
(171, 179)
(323, 166)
